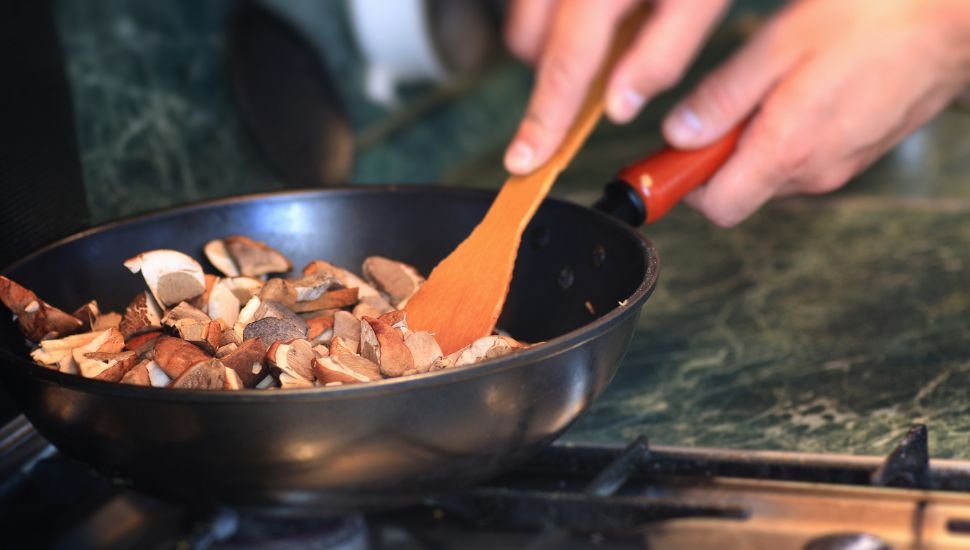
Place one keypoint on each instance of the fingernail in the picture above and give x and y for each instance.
(625, 105)
(685, 125)
(519, 158)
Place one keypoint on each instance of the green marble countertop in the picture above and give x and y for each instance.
(822, 324)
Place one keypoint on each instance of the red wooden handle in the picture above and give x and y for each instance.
(663, 178)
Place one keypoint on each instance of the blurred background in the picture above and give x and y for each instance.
(180, 101)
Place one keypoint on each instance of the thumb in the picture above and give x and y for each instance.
(729, 94)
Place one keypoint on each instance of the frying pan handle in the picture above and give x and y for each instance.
(647, 189)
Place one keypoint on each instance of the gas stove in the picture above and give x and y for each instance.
(570, 496)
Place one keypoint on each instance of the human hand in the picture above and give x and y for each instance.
(569, 40)
(834, 84)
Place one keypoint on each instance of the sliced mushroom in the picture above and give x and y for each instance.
(223, 304)
(246, 315)
(346, 278)
(396, 358)
(321, 351)
(218, 255)
(87, 314)
(272, 329)
(269, 308)
(351, 369)
(370, 347)
(347, 327)
(51, 351)
(332, 299)
(266, 383)
(171, 276)
(226, 350)
(372, 306)
(396, 318)
(37, 319)
(157, 376)
(202, 300)
(290, 381)
(397, 280)
(312, 286)
(208, 374)
(109, 367)
(143, 314)
(184, 312)
(320, 328)
(424, 349)
(233, 382)
(138, 375)
(142, 343)
(243, 287)
(340, 346)
(175, 355)
(247, 361)
(107, 320)
(255, 258)
(488, 347)
(296, 358)
(278, 290)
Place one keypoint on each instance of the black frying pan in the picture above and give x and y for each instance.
(344, 447)
(580, 280)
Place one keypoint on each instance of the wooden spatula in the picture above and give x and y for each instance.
(463, 297)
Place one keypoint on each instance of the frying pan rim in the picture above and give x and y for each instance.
(553, 347)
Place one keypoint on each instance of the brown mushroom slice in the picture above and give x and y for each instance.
(278, 290)
(109, 367)
(339, 346)
(223, 304)
(218, 255)
(291, 381)
(332, 299)
(184, 312)
(202, 300)
(321, 350)
(370, 347)
(107, 320)
(52, 351)
(424, 349)
(320, 328)
(226, 349)
(346, 278)
(171, 276)
(372, 306)
(485, 348)
(247, 361)
(396, 358)
(296, 358)
(347, 327)
(397, 280)
(328, 371)
(67, 365)
(37, 319)
(312, 286)
(207, 336)
(175, 356)
(143, 314)
(255, 258)
(138, 375)
(233, 382)
(87, 314)
(244, 288)
(156, 376)
(272, 329)
(246, 315)
(142, 343)
(209, 374)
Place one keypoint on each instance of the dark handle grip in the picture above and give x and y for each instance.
(663, 178)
